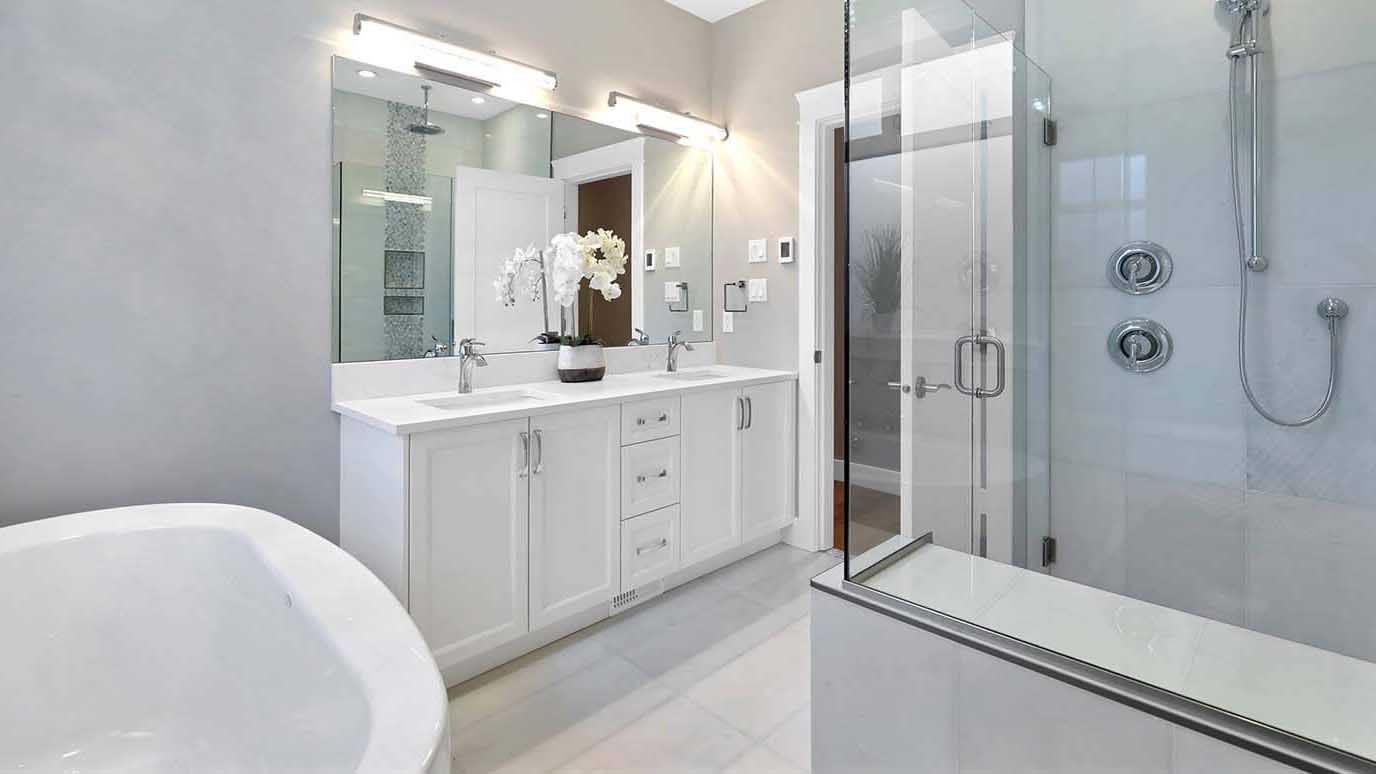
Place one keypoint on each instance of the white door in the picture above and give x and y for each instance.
(575, 512)
(768, 459)
(468, 543)
(495, 213)
(709, 510)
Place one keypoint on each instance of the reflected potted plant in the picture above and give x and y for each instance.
(879, 275)
(598, 257)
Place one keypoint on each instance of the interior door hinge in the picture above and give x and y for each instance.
(1048, 551)
(1049, 131)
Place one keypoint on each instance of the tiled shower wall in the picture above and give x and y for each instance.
(1168, 487)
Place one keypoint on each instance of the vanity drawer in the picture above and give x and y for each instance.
(649, 547)
(646, 420)
(649, 476)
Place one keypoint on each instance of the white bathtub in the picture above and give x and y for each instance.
(206, 638)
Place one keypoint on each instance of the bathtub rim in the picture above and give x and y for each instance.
(367, 626)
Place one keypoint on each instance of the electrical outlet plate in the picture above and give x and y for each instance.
(697, 320)
(758, 290)
(759, 250)
(671, 259)
(728, 322)
(650, 260)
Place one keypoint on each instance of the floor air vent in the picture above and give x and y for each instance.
(629, 599)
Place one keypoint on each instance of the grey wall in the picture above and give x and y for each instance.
(761, 57)
(166, 238)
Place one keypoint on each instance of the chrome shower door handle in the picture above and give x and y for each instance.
(1000, 366)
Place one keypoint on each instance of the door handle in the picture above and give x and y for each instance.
(920, 385)
(539, 452)
(525, 453)
(982, 340)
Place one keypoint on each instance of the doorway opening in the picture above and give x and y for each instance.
(606, 203)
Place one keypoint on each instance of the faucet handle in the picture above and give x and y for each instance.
(466, 346)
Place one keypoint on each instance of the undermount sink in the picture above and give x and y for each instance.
(691, 376)
(482, 399)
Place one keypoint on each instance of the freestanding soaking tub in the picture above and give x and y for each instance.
(206, 638)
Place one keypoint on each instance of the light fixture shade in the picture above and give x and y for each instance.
(681, 125)
(430, 53)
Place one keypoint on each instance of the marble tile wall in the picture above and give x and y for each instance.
(404, 233)
(1168, 486)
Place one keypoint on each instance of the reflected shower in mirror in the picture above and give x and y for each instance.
(441, 194)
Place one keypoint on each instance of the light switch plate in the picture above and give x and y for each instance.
(697, 320)
(786, 248)
(671, 259)
(728, 322)
(650, 260)
(673, 292)
(759, 250)
(759, 289)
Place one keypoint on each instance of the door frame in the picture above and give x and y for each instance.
(598, 164)
(821, 111)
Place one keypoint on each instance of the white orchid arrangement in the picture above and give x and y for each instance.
(597, 256)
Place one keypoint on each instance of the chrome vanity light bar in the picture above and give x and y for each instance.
(434, 55)
(681, 127)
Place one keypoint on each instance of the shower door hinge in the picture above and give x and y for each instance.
(1048, 551)
(1049, 131)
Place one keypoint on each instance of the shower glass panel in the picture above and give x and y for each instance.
(393, 304)
(1047, 432)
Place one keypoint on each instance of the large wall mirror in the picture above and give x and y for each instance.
(436, 188)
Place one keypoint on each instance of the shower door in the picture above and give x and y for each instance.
(971, 176)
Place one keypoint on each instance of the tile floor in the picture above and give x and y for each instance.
(713, 676)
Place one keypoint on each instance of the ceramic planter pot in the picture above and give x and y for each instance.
(586, 363)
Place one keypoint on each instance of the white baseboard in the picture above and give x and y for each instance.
(868, 476)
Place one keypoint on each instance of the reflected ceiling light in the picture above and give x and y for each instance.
(542, 115)
(367, 74)
(434, 55)
(687, 129)
(391, 196)
(478, 100)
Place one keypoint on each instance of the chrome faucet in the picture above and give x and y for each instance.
(469, 356)
(640, 338)
(674, 343)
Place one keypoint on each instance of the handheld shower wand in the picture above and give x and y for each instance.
(1246, 48)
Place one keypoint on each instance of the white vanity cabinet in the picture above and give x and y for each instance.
(575, 523)
(468, 536)
(506, 527)
(739, 463)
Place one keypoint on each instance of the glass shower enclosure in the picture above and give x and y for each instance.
(1060, 218)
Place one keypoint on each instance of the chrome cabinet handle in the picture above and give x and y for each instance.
(642, 478)
(662, 543)
(640, 421)
(901, 387)
(663, 417)
(539, 451)
(740, 413)
(999, 366)
(525, 453)
(749, 412)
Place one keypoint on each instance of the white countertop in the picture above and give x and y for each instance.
(405, 414)
(1309, 691)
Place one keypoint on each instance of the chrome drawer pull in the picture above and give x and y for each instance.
(663, 543)
(662, 418)
(642, 478)
(525, 454)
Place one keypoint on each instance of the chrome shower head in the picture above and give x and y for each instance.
(1245, 6)
(425, 127)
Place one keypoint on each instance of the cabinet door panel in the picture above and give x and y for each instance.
(575, 512)
(468, 541)
(709, 512)
(768, 459)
